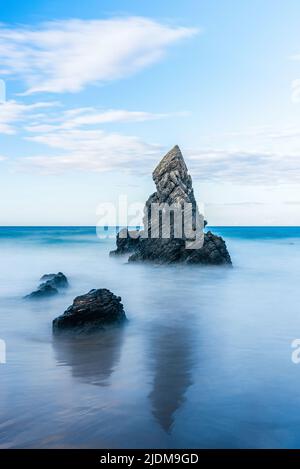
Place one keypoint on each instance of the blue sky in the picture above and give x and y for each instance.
(97, 92)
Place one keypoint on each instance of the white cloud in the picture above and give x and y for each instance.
(234, 204)
(12, 112)
(81, 117)
(74, 139)
(67, 55)
(255, 155)
(96, 150)
(91, 150)
(295, 96)
(244, 167)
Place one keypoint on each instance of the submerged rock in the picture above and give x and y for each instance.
(45, 290)
(96, 309)
(56, 280)
(50, 285)
(159, 242)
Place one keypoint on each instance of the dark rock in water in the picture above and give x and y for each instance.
(214, 252)
(164, 251)
(127, 241)
(96, 309)
(45, 290)
(49, 287)
(160, 242)
(56, 280)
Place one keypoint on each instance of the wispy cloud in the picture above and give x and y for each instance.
(91, 150)
(292, 202)
(96, 150)
(65, 56)
(82, 117)
(244, 167)
(295, 95)
(12, 113)
(234, 204)
(75, 139)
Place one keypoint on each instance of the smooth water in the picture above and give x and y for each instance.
(204, 361)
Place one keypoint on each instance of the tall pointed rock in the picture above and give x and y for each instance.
(173, 183)
(159, 242)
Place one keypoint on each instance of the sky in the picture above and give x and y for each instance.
(94, 93)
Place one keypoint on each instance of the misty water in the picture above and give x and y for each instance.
(204, 360)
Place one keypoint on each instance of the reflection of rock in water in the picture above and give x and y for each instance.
(92, 357)
(172, 361)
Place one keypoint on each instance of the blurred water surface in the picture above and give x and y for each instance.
(204, 361)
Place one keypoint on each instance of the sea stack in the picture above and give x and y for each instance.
(166, 243)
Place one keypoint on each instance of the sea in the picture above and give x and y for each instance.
(204, 361)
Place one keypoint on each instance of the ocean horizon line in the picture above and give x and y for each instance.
(141, 227)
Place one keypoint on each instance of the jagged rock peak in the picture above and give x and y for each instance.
(172, 180)
(173, 160)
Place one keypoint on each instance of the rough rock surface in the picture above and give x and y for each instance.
(126, 243)
(56, 280)
(50, 285)
(44, 290)
(96, 309)
(173, 188)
